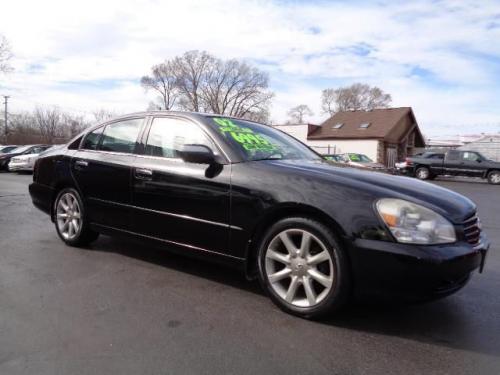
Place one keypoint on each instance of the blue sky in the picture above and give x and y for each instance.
(440, 57)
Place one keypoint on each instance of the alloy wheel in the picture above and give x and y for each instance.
(423, 174)
(299, 268)
(495, 178)
(68, 216)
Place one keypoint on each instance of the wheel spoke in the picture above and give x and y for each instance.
(285, 238)
(62, 216)
(65, 225)
(292, 289)
(305, 244)
(279, 257)
(280, 275)
(310, 293)
(75, 225)
(63, 205)
(321, 278)
(318, 258)
(70, 228)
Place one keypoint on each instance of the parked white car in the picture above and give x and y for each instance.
(26, 162)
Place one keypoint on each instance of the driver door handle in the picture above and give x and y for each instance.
(81, 164)
(143, 174)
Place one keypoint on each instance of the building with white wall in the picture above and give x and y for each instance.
(384, 135)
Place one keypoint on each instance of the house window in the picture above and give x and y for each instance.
(364, 125)
(337, 126)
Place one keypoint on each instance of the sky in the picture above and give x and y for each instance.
(440, 57)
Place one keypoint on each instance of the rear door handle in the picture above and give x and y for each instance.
(81, 164)
(143, 174)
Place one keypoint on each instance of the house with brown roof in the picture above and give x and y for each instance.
(384, 135)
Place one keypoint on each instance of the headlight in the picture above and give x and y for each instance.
(411, 223)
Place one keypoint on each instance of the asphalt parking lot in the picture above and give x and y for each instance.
(125, 308)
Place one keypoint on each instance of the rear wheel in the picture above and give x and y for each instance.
(71, 224)
(422, 173)
(494, 177)
(303, 268)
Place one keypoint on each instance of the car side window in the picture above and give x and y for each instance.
(91, 140)
(437, 156)
(121, 136)
(470, 156)
(453, 155)
(167, 136)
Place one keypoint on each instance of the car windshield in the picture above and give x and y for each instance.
(360, 158)
(261, 142)
(20, 150)
(8, 149)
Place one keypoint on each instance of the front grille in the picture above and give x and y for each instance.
(472, 230)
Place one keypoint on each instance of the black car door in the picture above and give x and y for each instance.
(102, 170)
(452, 162)
(470, 164)
(183, 203)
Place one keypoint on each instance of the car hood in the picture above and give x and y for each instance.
(25, 156)
(367, 165)
(451, 205)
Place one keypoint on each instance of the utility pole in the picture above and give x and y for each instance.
(6, 98)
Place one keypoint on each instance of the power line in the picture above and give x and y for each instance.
(6, 98)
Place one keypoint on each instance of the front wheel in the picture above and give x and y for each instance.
(303, 268)
(422, 173)
(69, 216)
(494, 177)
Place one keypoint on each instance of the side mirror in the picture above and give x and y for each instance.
(199, 154)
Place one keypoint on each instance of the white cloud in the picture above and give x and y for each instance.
(305, 46)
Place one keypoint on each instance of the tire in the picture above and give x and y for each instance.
(70, 221)
(494, 177)
(422, 173)
(309, 283)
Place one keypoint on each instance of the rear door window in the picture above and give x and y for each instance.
(121, 136)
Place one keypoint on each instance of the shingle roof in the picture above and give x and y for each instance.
(383, 124)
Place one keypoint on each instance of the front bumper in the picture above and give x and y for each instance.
(20, 167)
(414, 272)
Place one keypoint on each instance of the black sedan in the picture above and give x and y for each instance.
(249, 195)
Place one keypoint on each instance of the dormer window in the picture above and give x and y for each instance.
(364, 125)
(337, 126)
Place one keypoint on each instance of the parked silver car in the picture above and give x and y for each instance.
(26, 162)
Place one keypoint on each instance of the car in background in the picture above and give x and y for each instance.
(406, 168)
(361, 161)
(26, 162)
(7, 148)
(21, 150)
(466, 163)
(334, 157)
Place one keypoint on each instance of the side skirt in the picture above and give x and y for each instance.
(174, 247)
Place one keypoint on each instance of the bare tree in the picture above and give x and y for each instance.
(299, 112)
(190, 69)
(102, 115)
(328, 100)
(49, 123)
(198, 81)
(358, 96)
(236, 89)
(5, 55)
(163, 81)
(72, 125)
